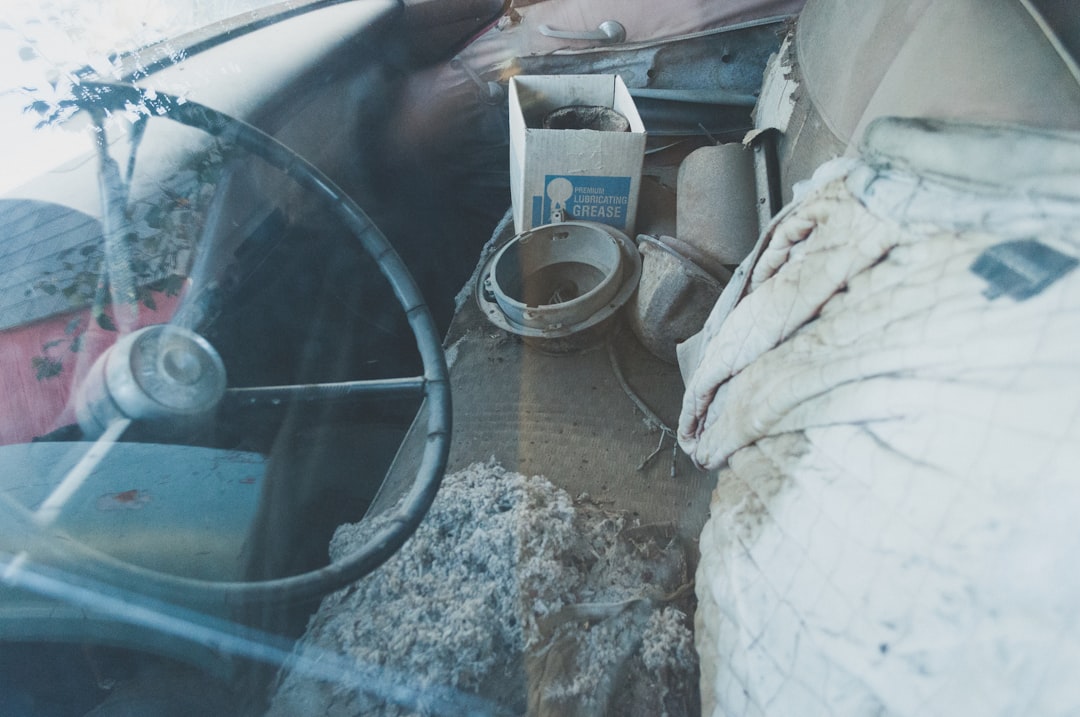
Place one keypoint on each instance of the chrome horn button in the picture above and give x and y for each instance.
(159, 373)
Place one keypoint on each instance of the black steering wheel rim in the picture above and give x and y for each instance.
(434, 384)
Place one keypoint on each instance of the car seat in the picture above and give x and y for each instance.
(849, 62)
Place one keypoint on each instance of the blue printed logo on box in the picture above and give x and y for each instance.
(592, 199)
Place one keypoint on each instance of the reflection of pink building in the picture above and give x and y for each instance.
(50, 269)
(31, 405)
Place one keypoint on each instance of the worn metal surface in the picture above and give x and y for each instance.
(673, 299)
(570, 419)
(559, 286)
(717, 207)
(731, 59)
(724, 67)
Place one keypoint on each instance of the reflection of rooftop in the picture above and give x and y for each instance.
(40, 240)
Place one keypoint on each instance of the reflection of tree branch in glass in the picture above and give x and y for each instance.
(148, 243)
(116, 229)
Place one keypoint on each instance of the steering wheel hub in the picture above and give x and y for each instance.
(160, 372)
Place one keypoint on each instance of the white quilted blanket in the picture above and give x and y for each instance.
(894, 529)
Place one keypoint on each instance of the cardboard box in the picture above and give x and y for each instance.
(591, 175)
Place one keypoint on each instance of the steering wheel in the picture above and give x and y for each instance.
(185, 359)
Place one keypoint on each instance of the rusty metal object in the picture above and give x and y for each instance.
(673, 299)
(717, 202)
(594, 117)
(560, 286)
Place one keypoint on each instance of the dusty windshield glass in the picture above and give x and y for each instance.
(73, 32)
(45, 46)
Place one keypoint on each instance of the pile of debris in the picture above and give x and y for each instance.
(513, 591)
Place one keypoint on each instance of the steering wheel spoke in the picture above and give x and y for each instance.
(353, 393)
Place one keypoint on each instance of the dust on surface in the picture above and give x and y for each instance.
(513, 590)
